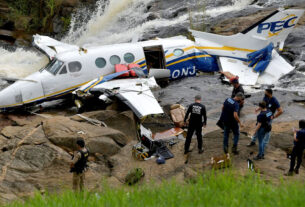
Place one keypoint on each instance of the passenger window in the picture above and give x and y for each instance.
(75, 67)
(114, 59)
(178, 52)
(129, 57)
(63, 70)
(100, 62)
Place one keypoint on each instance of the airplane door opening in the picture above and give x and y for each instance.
(154, 56)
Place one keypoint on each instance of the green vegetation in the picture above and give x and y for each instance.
(215, 189)
(36, 15)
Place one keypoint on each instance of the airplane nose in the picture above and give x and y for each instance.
(10, 97)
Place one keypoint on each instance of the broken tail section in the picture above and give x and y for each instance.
(276, 27)
(272, 29)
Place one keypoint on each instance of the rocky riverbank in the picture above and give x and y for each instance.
(35, 149)
(35, 152)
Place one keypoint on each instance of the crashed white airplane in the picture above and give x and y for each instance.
(249, 54)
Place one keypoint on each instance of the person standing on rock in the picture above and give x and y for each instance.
(79, 165)
(298, 149)
(263, 126)
(274, 106)
(231, 121)
(197, 120)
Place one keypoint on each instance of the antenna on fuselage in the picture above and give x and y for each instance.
(82, 50)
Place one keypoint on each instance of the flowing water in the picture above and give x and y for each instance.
(116, 21)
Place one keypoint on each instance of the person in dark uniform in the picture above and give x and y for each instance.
(231, 121)
(274, 106)
(298, 149)
(237, 88)
(197, 120)
(79, 165)
(263, 126)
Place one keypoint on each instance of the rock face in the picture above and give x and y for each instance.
(124, 122)
(34, 153)
(64, 132)
(34, 157)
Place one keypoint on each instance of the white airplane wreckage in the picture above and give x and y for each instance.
(129, 71)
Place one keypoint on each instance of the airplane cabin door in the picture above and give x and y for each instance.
(155, 57)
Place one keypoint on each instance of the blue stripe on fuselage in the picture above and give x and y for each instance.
(189, 67)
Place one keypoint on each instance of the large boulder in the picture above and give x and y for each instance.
(124, 122)
(63, 132)
(104, 146)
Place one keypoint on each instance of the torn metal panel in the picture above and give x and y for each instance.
(239, 68)
(277, 67)
(51, 46)
(136, 93)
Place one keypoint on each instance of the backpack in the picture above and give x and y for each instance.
(140, 152)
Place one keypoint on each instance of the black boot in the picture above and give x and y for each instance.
(289, 173)
(258, 157)
(234, 150)
(200, 151)
(251, 144)
(296, 171)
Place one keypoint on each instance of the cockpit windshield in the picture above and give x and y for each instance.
(54, 66)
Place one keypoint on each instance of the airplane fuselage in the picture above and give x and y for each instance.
(70, 70)
(72, 67)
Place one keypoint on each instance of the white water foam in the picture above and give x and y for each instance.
(116, 16)
(20, 63)
(120, 22)
(236, 6)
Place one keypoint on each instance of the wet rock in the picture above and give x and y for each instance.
(152, 16)
(289, 56)
(301, 68)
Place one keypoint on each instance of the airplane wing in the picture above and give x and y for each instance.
(135, 93)
(51, 46)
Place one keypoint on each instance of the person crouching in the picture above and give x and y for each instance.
(297, 151)
(79, 165)
(263, 126)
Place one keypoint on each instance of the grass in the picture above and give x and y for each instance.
(215, 189)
